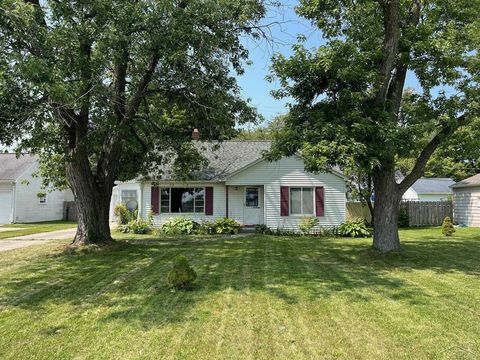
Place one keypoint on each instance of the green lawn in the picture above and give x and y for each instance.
(257, 297)
(34, 228)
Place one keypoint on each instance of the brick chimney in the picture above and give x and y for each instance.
(195, 134)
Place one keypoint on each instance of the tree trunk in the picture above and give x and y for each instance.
(93, 204)
(387, 202)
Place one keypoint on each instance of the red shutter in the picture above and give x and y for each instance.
(284, 199)
(319, 201)
(154, 199)
(208, 200)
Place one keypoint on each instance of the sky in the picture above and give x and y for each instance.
(285, 26)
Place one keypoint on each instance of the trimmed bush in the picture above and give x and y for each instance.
(182, 274)
(123, 215)
(263, 229)
(180, 226)
(354, 228)
(447, 227)
(307, 224)
(207, 228)
(226, 226)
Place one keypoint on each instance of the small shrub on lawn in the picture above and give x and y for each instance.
(180, 226)
(447, 227)
(354, 228)
(182, 274)
(263, 229)
(307, 224)
(123, 215)
(207, 228)
(226, 226)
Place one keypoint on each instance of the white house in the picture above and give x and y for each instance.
(430, 189)
(466, 201)
(239, 183)
(22, 198)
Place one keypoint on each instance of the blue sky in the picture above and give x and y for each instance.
(284, 27)
(283, 33)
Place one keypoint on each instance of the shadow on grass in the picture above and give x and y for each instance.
(128, 280)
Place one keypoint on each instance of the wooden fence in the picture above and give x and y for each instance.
(427, 212)
(420, 213)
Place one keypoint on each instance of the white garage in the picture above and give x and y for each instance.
(22, 198)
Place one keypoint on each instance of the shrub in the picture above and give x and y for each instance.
(123, 215)
(354, 228)
(207, 228)
(180, 226)
(226, 226)
(138, 226)
(447, 227)
(182, 274)
(307, 224)
(263, 229)
(403, 220)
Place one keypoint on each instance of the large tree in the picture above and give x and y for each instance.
(103, 89)
(351, 107)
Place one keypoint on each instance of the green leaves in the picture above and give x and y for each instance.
(337, 118)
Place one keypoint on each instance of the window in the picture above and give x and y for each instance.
(129, 198)
(301, 201)
(251, 197)
(42, 199)
(182, 200)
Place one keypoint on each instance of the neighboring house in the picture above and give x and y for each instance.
(466, 201)
(430, 189)
(238, 183)
(22, 198)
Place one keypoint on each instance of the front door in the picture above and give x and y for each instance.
(252, 210)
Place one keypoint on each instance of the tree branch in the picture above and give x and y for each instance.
(427, 152)
(391, 11)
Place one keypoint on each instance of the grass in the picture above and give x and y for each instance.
(34, 228)
(257, 297)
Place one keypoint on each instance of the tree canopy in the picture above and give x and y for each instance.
(351, 106)
(109, 88)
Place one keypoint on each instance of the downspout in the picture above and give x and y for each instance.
(226, 201)
(140, 202)
(14, 202)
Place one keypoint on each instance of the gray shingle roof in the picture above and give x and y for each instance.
(471, 181)
(12, 167)
(433, 186)
(224, 158)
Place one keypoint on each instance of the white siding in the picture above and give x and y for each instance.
(466, 206)
(218, 202)
(290, 172)
(27, 205)
(6, 203)
(410, 195)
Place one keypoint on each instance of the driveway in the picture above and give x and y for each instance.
(35, 239)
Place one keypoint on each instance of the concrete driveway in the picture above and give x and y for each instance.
(18, 242)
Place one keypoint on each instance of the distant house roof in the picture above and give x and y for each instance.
(471, 181)
(433, 186)
(12, 167)
(226, 158)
